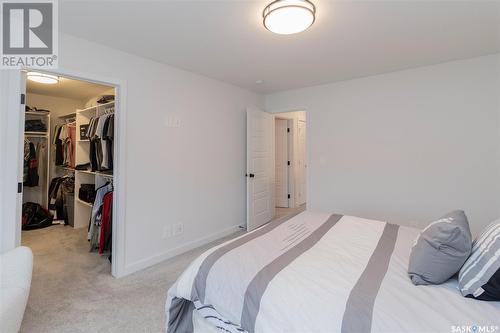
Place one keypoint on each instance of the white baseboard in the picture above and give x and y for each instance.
(153, 260)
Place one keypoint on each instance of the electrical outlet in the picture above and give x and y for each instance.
(167, 232)
(178, 229)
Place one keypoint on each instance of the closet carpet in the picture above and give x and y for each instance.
(73, 291)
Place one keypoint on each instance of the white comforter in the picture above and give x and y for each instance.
(319, 273)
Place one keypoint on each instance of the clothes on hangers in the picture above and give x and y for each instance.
(101, 215)
(42, 156)
(64, 139)
(58, 143)
(61, 192)
(69, 145)
(105, 232)
(101, 135)
(30, 167)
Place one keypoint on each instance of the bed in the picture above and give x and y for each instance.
(318, 272)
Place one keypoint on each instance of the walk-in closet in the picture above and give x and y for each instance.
(69, 160)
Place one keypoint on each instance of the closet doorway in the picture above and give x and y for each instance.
(68, 214)
(290, 161)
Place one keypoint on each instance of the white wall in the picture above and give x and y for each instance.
(193, 174)
(406, 146)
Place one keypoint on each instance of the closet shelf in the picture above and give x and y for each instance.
(105, 104)
(36, 134)
(66, 168)
(87, 109)
(97, 173)
(105, 175)
(68, 116)
(84, 202)
(85, 171)
(95, 107)
(37, 113)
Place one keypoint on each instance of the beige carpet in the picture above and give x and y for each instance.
(73, 291)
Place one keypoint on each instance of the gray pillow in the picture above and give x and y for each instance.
(441, 249)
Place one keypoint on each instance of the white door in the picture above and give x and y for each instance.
(260, 168)
(281, 163)
(301, 163)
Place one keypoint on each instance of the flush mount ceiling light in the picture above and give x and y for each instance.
(42, 78)
(288, 17)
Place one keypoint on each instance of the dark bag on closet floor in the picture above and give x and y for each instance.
(35, 217)
(87, 193)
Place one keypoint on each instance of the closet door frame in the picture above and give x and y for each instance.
(118, 266)
(13, 86)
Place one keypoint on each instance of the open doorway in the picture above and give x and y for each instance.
(290, 162)
(276, 165)
(68, 172)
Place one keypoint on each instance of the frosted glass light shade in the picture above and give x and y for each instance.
(286, 17)
(42, 78)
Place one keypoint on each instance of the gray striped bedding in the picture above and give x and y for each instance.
(317, 273)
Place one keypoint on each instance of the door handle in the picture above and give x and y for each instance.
(251, 175)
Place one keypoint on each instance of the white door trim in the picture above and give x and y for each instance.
(282, 163)
(11, 136)
(293, 186)
(301, 164)
(118, 264)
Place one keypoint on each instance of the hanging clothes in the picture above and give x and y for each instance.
(30, 169)
(104, 234)
(58, 143)
(101, 133)
(26, 157)
(43, 169)
(100, 207)
(71, 142)
(61, 194)
(64, 139)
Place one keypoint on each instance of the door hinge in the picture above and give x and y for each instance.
(288, 129)
(23, 99)
(19, 187)
(288, 162)
(289, 196)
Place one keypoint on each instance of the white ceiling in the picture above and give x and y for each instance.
(68, 88)
(226, 39)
